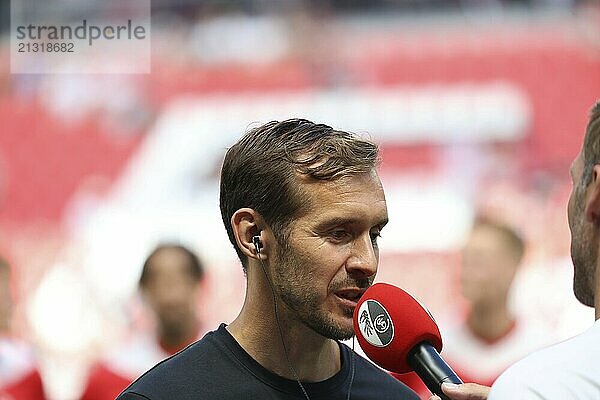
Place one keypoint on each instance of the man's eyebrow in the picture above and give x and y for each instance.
(339, 221)
(336, 221)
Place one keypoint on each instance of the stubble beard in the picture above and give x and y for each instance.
(294, 289)
(584, 254)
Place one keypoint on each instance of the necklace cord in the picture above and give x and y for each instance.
(353, 368)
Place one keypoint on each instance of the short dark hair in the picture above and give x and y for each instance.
(513, 240)
(591, 145)
(262, 170)
(195, 266)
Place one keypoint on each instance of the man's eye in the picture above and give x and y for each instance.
(338, 234)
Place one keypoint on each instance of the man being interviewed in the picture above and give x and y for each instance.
(303, 207)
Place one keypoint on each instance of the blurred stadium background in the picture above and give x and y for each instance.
(479, 107)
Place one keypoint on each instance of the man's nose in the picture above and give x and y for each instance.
(362, 262)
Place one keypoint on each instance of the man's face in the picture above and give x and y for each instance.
(583, 252)
(331, 255)
(170, 289)
(488, 267)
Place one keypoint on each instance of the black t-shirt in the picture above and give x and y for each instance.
(217, 367)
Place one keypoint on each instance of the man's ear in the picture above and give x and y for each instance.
(246, 223)
(592, 197)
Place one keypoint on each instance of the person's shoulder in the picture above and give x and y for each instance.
(572, 351)
(544, 359)
(553, 369)
(165, 379)
(530, 378)
(519, 379)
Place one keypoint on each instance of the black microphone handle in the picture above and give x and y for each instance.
(431, 368)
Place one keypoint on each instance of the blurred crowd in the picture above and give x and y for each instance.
(192, 9)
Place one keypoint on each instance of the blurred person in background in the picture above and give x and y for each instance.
(19, 375)
(491, 337)
(303, 206)
(480, 346)
(570, 370)
(169, 284)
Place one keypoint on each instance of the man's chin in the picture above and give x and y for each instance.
(337, 328)
(341, 334)
(343, 329)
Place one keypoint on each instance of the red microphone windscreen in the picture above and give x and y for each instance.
(389, 322)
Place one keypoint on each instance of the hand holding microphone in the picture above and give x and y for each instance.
(400, 335)
(466, 391)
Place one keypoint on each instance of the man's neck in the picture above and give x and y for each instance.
(313, 357)
(173, 339)
(490, 322)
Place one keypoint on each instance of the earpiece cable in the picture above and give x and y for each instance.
(285, 351)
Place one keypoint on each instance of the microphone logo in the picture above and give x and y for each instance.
(382, 324)
(375, 324)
